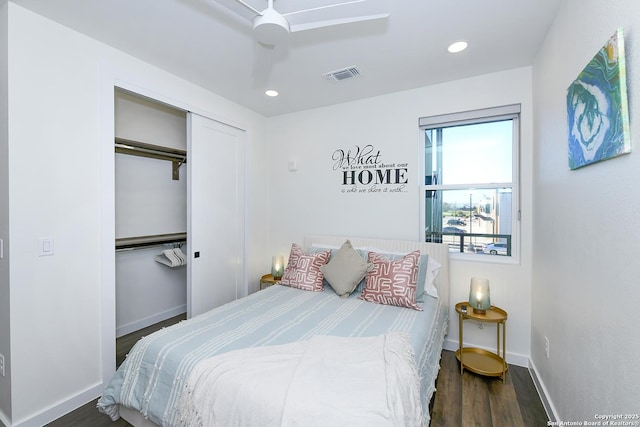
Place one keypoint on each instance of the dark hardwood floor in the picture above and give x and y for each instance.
(124, 343)
(467, 400)
(474, 400)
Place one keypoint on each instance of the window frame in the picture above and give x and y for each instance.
(484, 115)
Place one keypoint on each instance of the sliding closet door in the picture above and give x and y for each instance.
(215, 213)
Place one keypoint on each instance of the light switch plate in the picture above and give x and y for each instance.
(45, 246)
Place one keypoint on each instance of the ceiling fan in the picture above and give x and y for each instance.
(271, 27)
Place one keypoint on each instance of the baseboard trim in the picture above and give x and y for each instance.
(148, 321)
(60, 409)
(512, 358)
(542, 392)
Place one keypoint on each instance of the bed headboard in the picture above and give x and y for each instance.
(438, 251)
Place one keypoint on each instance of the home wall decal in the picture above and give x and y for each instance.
(362, 170)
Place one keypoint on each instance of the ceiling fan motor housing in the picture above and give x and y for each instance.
(270, 27)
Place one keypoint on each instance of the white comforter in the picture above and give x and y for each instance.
(326, 381)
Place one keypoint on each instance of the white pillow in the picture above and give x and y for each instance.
(433, 268)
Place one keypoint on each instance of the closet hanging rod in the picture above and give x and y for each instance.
(142, 149)
(126, 243)
(136, 148)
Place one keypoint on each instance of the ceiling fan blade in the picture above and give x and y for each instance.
(251, 8)
(262, 65)
(335, 14)
(265, 59)
(241, 8)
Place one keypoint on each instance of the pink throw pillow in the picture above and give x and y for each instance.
(392, 282)
(303, 270)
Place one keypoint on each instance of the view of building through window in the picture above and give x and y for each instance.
(469, 183)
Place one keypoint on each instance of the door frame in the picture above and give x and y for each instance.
(110, 80)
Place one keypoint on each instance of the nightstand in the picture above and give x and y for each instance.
(481, 361)
(268, 280)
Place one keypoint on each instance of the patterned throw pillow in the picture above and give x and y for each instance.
(303, 270)
(428, 269)
(392, 282)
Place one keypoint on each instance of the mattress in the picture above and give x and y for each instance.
(153, 374)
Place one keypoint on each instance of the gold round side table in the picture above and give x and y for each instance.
(478, 360)
(268, 280)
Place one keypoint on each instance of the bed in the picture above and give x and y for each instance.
(157, 374)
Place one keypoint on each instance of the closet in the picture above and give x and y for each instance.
(150, 211)
(179, 186)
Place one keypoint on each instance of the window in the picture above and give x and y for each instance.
(470, 197)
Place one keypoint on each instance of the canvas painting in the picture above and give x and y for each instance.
(597, 108)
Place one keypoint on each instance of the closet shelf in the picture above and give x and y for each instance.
(144, 241)
(142, 149)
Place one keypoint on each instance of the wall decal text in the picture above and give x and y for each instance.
(362, 170)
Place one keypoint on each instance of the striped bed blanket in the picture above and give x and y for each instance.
(154, 375)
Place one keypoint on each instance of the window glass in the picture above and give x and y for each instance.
(477, 153)
(469, 187)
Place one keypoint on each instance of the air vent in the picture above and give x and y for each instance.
(343, 74)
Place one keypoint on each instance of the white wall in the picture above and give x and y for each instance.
(585, 284)
(59, 115)
(310, 200)
(145, 120)
(148, 201)
(147, 292)
(5, 344)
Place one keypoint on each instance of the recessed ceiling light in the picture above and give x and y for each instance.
(457, 47)
(271, 92)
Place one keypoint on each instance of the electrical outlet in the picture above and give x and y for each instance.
(1, 365)
(546, 347)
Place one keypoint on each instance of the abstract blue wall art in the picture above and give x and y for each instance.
(597, 108)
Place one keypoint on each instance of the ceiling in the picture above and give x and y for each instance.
(207, 44)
